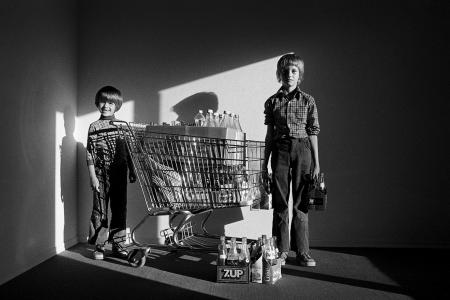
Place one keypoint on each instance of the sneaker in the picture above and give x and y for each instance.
(305, 260)
(118, 251)
(283, 257)
(99, 252)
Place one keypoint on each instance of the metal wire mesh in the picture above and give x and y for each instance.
(181, 172)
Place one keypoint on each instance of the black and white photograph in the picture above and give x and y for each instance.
(224, 149)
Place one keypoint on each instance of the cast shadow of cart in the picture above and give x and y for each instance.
(187, 108)
(194, 264)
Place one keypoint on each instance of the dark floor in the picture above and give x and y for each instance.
(342, 273)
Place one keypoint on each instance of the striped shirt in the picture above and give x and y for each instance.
(104, 144)
(296, 117)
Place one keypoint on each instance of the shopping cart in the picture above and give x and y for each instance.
(184, 176)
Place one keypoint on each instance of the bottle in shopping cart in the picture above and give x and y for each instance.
(264, 239)
(236, 123)
(220, 119)
(226, 121)
(222, 255)
(209, 118)
(199, 119)
(244, 255)
(216, 120)
(232, 255)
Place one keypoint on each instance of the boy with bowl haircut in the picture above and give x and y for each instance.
(291, 140)
(108, 161)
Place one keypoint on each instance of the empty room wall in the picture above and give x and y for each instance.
(37, 116)
(376, 69)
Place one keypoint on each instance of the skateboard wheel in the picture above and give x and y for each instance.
(137, 257)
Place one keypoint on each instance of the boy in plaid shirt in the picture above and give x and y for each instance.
(291, 141)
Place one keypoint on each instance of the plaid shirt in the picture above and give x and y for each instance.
(104, 144)
(296, 117)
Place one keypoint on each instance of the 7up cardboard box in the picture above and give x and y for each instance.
(234, 274)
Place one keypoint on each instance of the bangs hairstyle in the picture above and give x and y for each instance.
(109, 94)
(290, 59)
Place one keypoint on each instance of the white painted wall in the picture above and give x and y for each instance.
(38, 197)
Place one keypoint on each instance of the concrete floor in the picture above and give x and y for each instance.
(341, 273)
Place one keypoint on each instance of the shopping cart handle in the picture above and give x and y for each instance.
(121, 124)
(117, 122)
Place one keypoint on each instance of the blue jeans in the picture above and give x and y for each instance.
(291, 162)
(113, 192)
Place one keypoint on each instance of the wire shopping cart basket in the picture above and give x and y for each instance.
(184, 176)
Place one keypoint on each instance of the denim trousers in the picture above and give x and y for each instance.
(113, 193)
(291, 162)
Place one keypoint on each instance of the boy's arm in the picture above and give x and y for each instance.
(132, 173)
(268, 146)
(95, 184)
(313, 129)
(267, 153)
(315, 151)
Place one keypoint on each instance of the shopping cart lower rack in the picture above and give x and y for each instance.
(187, 175)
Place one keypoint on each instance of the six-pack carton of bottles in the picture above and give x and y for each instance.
(243, 263)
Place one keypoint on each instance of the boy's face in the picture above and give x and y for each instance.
(106, 108)
(290, 77)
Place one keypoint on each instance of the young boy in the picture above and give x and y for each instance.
(292, 127)
(108, 160)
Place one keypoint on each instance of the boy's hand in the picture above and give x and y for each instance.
(267, 182)
(95, 184)
(132, 177)
(316, 172)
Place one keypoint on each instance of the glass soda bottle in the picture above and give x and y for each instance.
(275, 245)
(236, 123)
(199, 119)
(216, 120)
(226, 122)
(222, 255)
(232, 255)
(322, 182)
(209, 118)
(256, 250)
(244, 255)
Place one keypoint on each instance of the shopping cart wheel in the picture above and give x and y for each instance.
(137, 257)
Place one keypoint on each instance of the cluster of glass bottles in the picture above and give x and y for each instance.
(215, 119)
(233, 254)
(265, 248)
(264, 258)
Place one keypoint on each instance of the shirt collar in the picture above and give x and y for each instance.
(283, 92)
(107, 118)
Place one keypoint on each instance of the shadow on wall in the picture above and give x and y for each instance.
(188, 107)
(68, 174)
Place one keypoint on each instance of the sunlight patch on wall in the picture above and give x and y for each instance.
(82, 123)
(59, 204)
(242, 91)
